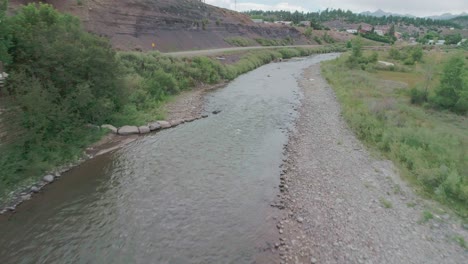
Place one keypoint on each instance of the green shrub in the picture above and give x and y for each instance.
(418, 96)
(452, 92)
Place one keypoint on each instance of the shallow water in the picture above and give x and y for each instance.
(198, 193)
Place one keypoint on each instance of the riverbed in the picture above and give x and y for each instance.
(197, 193)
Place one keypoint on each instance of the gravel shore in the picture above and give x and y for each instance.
(344, 205)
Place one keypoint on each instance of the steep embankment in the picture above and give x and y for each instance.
(171, 24)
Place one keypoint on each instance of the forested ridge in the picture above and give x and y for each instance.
(349, 17)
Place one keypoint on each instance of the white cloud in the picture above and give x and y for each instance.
(230, 4)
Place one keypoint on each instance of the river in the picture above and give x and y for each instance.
(197, 193)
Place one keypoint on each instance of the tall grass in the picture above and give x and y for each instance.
(429, 147)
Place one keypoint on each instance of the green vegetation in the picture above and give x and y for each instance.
(240, 41)
(275, 42)
(5, 39)
(63, 79)
(461, 241)
(385, 203)
(453, 39)
(452, 92)
(426, 216)
(357, 60)
(429, 146)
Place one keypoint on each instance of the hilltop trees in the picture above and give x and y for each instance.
(339, 14)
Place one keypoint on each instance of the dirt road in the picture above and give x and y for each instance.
(343, 205)
(212, 52)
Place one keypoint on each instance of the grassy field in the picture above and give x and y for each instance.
(429, 146)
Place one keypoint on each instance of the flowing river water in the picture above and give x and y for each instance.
(197, 193)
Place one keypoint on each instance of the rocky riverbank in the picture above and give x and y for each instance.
(342, 205)
(186, 107)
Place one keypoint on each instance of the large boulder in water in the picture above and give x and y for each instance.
(128, 130)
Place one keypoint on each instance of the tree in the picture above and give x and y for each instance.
(5, 41)
(391, 32)
(453, 39)
(76, 72)
(452, 92)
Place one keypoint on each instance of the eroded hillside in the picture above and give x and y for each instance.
(171, 24)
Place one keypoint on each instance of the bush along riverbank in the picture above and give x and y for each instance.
(65, 83)
(427, 143)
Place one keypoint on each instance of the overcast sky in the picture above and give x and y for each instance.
(413, 7)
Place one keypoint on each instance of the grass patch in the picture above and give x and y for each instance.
(240, 41)
(460, 241)
(426, 216)
(385, 203)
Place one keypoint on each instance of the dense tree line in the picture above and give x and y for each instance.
(348, 16)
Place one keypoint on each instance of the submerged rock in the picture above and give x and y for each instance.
(48, 178)
(128, 130)
(216, 112)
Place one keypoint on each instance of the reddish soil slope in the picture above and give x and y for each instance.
(171, 24)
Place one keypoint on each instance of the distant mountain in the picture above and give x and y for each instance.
(447, 16)
(461, 20)
(381, 13)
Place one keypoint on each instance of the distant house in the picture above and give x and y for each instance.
(459, 43)
(259, 21)
(351, 31)
(379, 32)
(431, 42)
(305, 23)
(287, 23)
(440, 42)
(398, 35)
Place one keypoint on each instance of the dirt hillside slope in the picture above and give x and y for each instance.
(171, 24)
